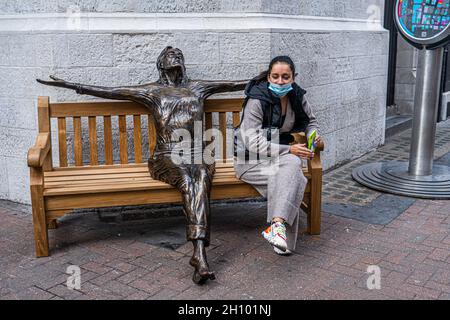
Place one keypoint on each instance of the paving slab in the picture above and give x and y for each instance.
(131, 253)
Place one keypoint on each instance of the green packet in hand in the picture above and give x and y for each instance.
(311, 141)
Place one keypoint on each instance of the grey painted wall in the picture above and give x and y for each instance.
(332, 8)
(344, 73)
(324, 8)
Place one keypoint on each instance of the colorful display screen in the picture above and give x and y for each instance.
(423, 19)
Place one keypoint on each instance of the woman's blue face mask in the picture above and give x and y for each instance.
(280, 90)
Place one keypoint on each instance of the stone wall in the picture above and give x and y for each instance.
(343, 70)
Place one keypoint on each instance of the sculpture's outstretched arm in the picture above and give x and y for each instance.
(212, 87)
(120, 93)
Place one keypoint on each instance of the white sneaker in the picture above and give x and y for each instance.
(282, 253)
(276, 235)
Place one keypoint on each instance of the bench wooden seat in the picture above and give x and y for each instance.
(133, 178)
(57, 190)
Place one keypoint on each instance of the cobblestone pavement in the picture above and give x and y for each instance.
(123, 256)
(339, 186)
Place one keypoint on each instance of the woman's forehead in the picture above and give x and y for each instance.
(281, 67)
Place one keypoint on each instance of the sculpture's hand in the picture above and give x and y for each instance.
(57, 79)
(60, 83)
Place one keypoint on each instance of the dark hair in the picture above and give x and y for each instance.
(279, 59)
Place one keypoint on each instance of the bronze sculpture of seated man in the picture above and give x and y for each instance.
(176, 102)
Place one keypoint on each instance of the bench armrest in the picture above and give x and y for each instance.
(315, 164)
(39, 152)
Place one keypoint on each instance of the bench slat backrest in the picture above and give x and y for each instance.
(119, 111)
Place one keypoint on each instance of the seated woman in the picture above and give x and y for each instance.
(274, 107)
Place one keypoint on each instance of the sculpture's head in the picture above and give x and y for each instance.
(171, 67)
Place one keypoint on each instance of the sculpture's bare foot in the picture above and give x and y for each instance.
(198, 261)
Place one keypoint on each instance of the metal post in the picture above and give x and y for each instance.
(425, 112)
(419, 177)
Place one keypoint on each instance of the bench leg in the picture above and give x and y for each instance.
(39, 222)
(314, 216)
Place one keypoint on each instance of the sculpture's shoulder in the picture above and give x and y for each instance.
(149, 86)
(149, 90)
(197, 86)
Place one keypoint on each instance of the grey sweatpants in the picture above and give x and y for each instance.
(282, 183)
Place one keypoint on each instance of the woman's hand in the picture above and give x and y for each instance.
(301, 150)
(318, 141)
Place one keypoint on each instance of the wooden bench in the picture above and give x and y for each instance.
(57, 190)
